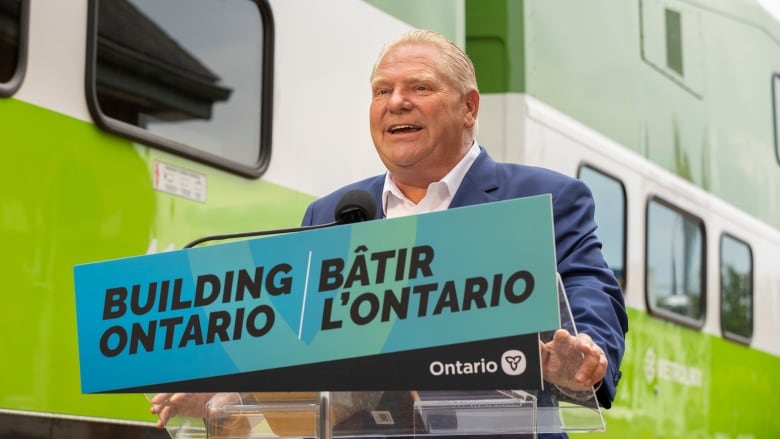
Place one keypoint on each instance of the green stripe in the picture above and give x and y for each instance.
(737, 395)
(495, 32)
(73, 194)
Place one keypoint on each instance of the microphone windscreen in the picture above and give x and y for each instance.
(355, 206)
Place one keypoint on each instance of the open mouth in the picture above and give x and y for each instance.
(406, 128)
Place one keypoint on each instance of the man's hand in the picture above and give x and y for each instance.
(169, 405)
(574, 363)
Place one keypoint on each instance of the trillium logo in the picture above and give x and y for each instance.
(513, 362)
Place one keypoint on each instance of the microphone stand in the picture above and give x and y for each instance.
(355, 206)
(259, 233)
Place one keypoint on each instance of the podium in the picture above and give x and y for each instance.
(398, 327)
(328, 415)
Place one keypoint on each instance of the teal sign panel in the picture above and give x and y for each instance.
(444, 300)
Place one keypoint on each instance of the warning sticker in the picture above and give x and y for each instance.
(179, 181)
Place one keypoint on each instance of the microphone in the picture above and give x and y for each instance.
(355, 206)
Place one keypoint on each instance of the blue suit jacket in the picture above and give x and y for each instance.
(595, 297)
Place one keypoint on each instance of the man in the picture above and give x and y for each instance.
(423, 119)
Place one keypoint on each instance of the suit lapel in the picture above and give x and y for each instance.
(479, 184)
(375, 187)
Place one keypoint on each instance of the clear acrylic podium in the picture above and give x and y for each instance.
(327, 415)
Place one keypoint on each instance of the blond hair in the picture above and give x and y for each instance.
(456, 65)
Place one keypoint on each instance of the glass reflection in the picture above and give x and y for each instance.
(675, 270)
(187, 70)
(736, 288)
(610, 197)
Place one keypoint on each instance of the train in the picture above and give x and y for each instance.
(132, 127)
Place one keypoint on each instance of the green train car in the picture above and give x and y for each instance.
(135, 126)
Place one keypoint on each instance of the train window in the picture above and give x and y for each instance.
(675, 278)
(736, 289)
(192, 77)
(13, 31)
(610, 197)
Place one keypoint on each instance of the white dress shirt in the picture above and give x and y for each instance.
(439, 194)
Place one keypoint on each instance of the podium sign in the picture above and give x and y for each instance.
(444, 300)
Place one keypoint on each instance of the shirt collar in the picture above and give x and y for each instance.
(451, 181)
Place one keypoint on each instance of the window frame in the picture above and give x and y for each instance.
(141, 135)
(10, 87)
(654, 310)
(613, 177)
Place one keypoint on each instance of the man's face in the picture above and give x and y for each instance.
(418, 118)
